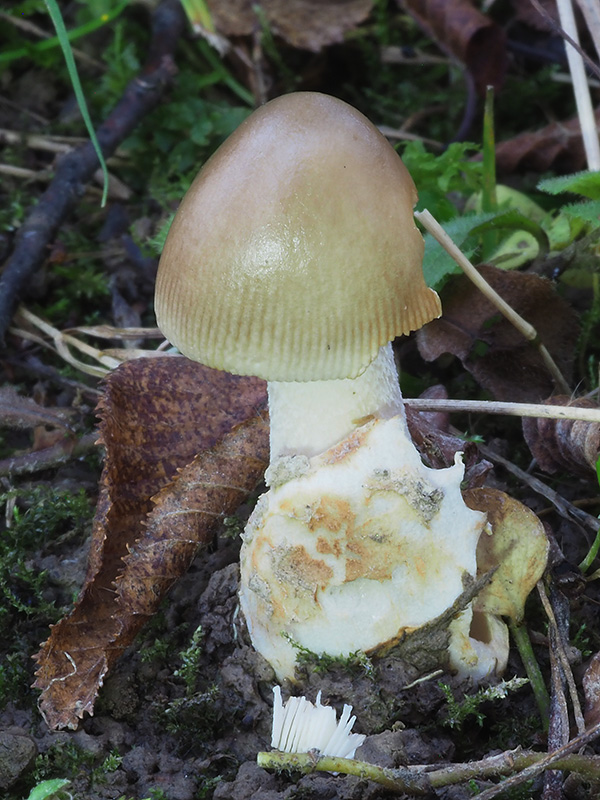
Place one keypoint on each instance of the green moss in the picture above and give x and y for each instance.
(469, 706)
(194, 720)
(41, 516)
(60, 759)
(355, 664)
(190, 661)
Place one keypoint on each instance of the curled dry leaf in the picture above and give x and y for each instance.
(558, 146)
(516, 548)
(569, 444)
(462, 31)
(305, 24)
(493, 351)
(184, 516)
(157, 415)
(591, 691)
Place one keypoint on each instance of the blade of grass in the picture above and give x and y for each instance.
(216, 64)
(61, 32)
(489, 202)
(199, 14)
(72, 35)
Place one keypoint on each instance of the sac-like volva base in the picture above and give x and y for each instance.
(354, 546)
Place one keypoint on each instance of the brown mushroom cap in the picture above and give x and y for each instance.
(294, 255)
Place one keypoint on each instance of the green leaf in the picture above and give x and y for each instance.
(515, 221)
(588, 212)
(585, 183)
(438, 266)
(437, 175)
(47, 789)
(61, 32)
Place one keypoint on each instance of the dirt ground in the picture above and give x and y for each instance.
(201, 739)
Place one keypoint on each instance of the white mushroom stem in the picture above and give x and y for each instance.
(308, 418)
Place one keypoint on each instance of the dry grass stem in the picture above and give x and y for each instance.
(591, 12)
(505, 409)
(581, 89)
(528, 331)
(420, 780)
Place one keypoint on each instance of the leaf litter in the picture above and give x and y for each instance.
(157, 416)
(142, 485)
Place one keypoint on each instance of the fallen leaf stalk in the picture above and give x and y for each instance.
(536, 679)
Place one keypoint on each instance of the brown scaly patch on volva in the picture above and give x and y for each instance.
(346, 447)
(331, 514)
(295, 567)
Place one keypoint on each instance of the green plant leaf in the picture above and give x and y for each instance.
(588, 212)
(585, 183)
(438, 266)
(514, 220)
(47, 789)
(437, 175)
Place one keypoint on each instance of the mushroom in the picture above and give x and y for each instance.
(294, 257)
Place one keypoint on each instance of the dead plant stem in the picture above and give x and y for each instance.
(420, 780)
(528, 331)
(562, 658)
(564, 507)
(508, 409)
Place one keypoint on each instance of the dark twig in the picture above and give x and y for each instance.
(564, 507)
(77, 167)
(593, 67)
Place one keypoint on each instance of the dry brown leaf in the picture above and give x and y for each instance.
(493, 351)
(156, 415)
(569, 444)
(558, 146)
(591, 691)
(305, 24)
(516, 548)
(461, 30)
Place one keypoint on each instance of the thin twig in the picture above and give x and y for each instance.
(562, 657)
(527, 330)
(554, 760)
(422, 779)
(566, 509)
(591, 11)
(49, 457)
(565, 35)
(505, 409)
